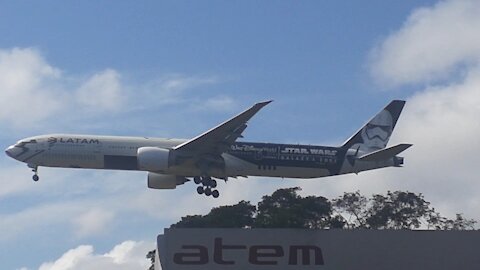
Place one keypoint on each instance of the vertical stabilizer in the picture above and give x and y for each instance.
(375, 134)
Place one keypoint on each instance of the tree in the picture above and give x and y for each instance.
(279, 210)
(286, 209)
(395, 210)
(240, 215)
(460, 223)
(353, 205)
(195, 221)
(151, 256)
(398, 210)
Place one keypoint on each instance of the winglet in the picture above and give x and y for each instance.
(263, 103)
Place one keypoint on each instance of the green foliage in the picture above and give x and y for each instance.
(151, 256)
(353, 205)
(286, 209)
(459, 223)
(395, 210)
(239, 215)
(398, 210)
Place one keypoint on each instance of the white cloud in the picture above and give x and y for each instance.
(443, 124)
(169, 89)
(177, 82)
(218, 103)
(27, 87)
(11, 180)
(433, 43)
(33, 92)
(16, 181)
(62, 191)
(127, 255)
(442, 120)
(69, 259)
(35, 218)
(93, 221)
(65, 192)
(103, 91)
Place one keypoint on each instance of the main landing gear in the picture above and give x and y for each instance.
(207, 185)
(35, 171)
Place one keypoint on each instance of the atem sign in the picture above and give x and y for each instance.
(297, 249)
(265, 254)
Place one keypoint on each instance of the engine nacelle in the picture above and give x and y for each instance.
(153, 159)
(165, 181)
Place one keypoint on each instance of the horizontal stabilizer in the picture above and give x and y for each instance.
(386, 153)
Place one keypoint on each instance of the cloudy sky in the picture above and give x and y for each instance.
(177, 68)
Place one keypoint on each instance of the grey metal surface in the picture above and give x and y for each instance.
(339, 249)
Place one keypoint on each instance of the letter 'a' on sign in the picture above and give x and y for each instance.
(198, 256)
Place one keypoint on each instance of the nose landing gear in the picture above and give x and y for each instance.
(35, 171)
(207, 184)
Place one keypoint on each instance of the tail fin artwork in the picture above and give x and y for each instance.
(366, 149)
(376, 133)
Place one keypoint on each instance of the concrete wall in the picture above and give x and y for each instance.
(318, 249)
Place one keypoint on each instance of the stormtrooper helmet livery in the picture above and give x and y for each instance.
(376, 133)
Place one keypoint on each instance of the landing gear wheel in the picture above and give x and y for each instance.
(213, 183)
(206, 181)
(207, 185)
(197, 180)
(35, 171)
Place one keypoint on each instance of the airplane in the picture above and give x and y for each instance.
(216, 153)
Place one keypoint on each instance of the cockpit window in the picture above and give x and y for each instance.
(22, 143)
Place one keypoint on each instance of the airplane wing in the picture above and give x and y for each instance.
(218, 139)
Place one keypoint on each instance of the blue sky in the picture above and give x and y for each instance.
(177, 68)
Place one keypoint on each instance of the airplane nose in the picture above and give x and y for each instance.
(7, 151)
(12, 151)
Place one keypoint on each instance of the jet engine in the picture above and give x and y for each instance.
(165, 181)
(153, 159)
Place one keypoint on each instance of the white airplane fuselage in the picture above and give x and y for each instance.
(120, 153)
(216, 153)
